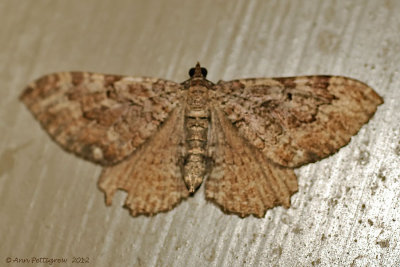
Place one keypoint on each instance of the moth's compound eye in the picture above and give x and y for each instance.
(204, 72)
(191, 72)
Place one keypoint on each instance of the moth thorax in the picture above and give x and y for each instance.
(197, 97)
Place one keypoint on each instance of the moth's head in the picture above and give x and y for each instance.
(198, 76)
(198, 72)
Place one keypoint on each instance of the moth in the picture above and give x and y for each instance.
(159, 140)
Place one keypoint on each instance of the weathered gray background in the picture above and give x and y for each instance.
(346, 212)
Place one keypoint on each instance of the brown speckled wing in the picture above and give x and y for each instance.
(152, 175)
(242, 180)
(297, 120)
(102, 118)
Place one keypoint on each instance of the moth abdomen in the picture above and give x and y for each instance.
(196, 129)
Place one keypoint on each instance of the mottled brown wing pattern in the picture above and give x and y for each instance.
(157, 137)
(151, 176)
(242, 180)
(297, 120)
(102, 118)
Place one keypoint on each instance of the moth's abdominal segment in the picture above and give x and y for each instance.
(197, 119)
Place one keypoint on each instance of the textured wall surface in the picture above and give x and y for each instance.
(346, 212)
